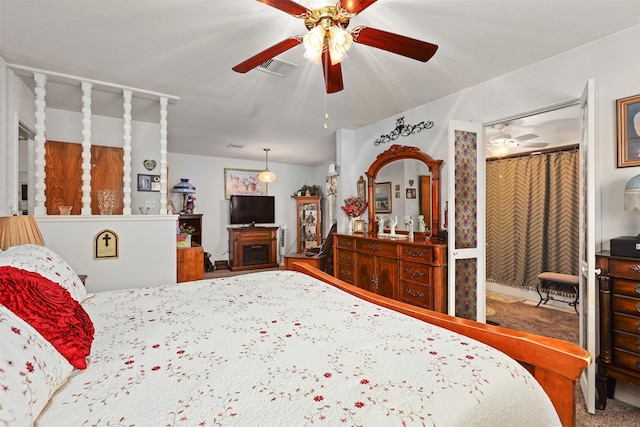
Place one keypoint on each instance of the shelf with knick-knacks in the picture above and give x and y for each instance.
(309, 222)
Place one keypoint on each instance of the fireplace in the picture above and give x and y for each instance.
(255, 254)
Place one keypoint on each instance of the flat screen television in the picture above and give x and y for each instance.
(252, 210)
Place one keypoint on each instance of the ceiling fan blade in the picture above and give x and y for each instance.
(534, 145)
(288, 6)
(332, 73)
(356, 6)
(395, 43)
(526, 137)
(267, 54)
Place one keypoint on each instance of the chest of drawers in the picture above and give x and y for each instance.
(619, 299)
(412, 272)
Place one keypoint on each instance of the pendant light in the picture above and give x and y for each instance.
(266, 175)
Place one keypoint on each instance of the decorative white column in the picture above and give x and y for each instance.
(126, 167)
(39, 158)
(163, 155)
(86, 148)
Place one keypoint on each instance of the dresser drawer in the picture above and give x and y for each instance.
(627, 287)
(415, 272)
(376, 247)
(629, 269)
(627, 359)
(626, 305)
(344, 241)
(416, 294)
(624, 322)
(416, 253)
(345, 272)
(345, 257)
(630, 342)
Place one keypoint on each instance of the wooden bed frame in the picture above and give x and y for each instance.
(554, 363)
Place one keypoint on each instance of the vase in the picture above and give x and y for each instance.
(352, 223)
(106, 201)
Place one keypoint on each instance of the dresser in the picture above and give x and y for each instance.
(619, 298)
(412, 272)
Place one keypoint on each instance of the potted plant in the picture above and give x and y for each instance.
(308, 190)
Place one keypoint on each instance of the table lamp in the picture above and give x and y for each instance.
(185, 188)
(19, 230)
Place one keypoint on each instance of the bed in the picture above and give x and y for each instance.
(266, 348)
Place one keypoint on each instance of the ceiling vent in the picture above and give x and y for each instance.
(232, 145)
(277, 67)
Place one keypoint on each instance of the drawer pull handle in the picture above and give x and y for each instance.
(638, 364)
(420, 273)
(638, 326)
(413, 253)
(635, 268)
(374, 247)
(637, 289)
(414, 293)
(345, 273)
(638, 344)
(638, 307)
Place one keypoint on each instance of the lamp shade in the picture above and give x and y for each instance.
(184, 186)
(19, 230)
(632, 194)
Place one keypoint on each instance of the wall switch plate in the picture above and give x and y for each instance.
(150, 204)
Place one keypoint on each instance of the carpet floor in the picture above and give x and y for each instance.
(562, 325)
(516, 314)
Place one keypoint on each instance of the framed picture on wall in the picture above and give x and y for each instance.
(383, 197)
(148, 182)
(411, 193)
(243, 182)
(628, 125)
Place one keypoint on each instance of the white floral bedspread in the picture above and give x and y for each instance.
(283, 349)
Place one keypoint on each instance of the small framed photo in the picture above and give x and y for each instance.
(411, 193)
(148, 182)
(358, 226)
(628, 120)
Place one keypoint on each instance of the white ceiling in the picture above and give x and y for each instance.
(186, 48)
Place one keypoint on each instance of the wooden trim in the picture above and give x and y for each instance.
(554, 363)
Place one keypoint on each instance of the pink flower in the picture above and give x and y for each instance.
(354, 206)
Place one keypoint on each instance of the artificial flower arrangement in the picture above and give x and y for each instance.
(187, 228)
(354, 206)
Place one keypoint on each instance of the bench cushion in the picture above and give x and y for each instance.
(559, 277)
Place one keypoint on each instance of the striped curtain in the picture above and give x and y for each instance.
(532, 217)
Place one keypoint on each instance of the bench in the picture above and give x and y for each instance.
(549, 280)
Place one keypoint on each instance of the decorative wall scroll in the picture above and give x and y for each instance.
(403, 130)
(106, 244)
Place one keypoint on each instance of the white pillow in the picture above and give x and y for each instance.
(44, 261)
(31, 370)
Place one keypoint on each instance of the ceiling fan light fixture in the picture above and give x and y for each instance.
(313, 43)
(339, 43)
(266, 175)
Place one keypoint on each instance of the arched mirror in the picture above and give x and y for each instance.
(409, 164)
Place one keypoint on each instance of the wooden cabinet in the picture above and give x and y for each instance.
(619, 294)
(190, 264)
(190, 260)
(412, 272)
(309, 222)
(63, 169)
(253, 247)
(194, 220)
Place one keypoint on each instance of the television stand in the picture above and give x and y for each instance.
(252, 248)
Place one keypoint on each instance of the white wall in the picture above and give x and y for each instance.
(611, 61)
(207, 175)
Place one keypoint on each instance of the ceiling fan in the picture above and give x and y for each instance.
(328, 41)
(502, 142)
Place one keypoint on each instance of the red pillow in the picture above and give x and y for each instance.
(49, 309)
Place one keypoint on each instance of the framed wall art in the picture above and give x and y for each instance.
(243, 182)
(628, 125)
(383, 197)
(148, 182)
(411, 193)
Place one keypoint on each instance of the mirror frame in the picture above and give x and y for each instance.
(401, 152)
